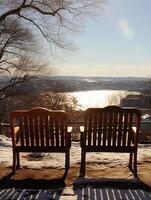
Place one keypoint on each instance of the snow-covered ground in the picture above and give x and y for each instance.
(56, 160)
(78, 190)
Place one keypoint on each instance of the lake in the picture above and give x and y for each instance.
(99, 98)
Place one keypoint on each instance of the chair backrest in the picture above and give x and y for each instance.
(111, 126)
(41, 127)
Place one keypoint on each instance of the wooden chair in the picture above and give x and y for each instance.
(40, 130)
(110, 129)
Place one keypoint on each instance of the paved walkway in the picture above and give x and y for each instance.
(76, 193)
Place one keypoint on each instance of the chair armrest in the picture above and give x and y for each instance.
(69, 130)
(134, 130)
(15, 134)
(82, 129)
(82, 136)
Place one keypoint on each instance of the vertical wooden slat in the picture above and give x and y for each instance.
(125, 128)
(99, 128)
(36, 131)
(26, 128)
(120, 131)
(31, 130)
(57, 131)
(110, 119)
(46, 130)
(63, 132)
(85, 135)
(21, 126)
(89, 130)
(130, 124)
(52, 131)
(105, 124)
(41, 130)
(95, 122)
(115, 128)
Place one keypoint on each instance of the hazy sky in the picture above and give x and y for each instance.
(117, 43)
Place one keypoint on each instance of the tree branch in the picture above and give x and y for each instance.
(12, 12)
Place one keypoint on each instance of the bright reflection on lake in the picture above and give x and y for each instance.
(99, 98)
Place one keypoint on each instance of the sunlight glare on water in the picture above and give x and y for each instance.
(99, 98)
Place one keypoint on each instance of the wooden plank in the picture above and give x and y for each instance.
(105, 124)
(100, 129)
(41, 130)
(89, 130)
(37, 130)
(125, 129)
(95, 122)
(110, 114)
(130, 125)
(21, 127)
(31, 130)
(56, 124)
(115, 128)
(52, 131)
(26, 128)
(63, 132)
(46, 128)
(120, 131)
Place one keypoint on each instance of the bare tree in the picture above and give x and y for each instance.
(57, 101)
(23, 23)
(51, 18)
(16, 54)
(27, 26)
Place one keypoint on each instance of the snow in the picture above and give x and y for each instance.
(56, 160)
(81, 189)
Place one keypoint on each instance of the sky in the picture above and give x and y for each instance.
(116, 43)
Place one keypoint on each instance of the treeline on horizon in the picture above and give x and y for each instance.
(70, 84)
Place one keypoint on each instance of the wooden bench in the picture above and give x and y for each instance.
(110, 129)
(40, 130)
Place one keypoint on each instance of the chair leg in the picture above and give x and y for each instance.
(130, 161)
(18, 160)
(14, 161)
(135, 164)
(67, 162)
(83, 158)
